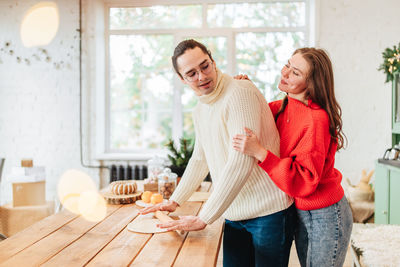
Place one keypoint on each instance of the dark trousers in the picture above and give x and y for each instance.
(263, 241)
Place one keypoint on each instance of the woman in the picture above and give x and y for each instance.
(310, 126)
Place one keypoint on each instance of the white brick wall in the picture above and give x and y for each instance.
(355, 33)
(39, 103)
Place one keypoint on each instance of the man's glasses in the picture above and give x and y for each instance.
(193, 75)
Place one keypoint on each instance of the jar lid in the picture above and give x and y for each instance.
(167, 174)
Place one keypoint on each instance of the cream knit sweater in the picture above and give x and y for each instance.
(242, 190)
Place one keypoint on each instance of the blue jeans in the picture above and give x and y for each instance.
(322, 236)
(262, 241)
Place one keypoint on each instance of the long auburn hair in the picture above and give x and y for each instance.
(320, 89)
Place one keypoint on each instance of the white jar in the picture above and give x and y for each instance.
(155, 166)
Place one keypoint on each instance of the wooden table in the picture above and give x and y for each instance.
(66, 239)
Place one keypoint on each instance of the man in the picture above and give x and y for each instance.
(258, 221)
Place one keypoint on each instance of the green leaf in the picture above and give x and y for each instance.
(387, 54)
(181, 157)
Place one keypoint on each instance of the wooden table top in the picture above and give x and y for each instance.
(67, 239)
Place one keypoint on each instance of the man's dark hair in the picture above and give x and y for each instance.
(181, 48)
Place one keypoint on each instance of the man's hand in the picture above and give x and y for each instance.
(241, 77)
(169, 206)
(186, 223)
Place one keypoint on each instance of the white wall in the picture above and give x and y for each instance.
(355, 32)
(39, 103)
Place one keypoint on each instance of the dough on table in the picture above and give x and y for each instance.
(145, 225)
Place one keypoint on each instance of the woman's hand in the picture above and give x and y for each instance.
(248, 144)
(241, 77)
(169, 206)
(185, 223)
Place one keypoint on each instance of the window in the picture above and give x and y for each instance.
(146, 104)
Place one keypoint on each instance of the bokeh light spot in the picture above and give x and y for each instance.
(92, 206)
(78, 193)
(40, 24)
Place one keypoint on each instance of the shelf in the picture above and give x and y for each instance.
(395, 163)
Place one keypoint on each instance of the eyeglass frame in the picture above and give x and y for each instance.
(198, 70)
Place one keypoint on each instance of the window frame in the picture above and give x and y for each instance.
(97, 67)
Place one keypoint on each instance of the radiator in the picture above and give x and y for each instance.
(127, 172)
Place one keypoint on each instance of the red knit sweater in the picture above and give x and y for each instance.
(305, 169)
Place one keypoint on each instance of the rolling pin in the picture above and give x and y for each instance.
(165, 218)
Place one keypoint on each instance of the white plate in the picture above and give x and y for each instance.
(143, 204)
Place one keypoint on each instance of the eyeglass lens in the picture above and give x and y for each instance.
(205, 68)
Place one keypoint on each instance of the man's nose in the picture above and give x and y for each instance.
(201, 75)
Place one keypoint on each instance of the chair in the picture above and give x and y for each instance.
(2, 237)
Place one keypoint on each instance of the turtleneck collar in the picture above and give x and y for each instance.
(214, 95)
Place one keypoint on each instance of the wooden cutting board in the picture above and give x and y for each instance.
(120, 199)
(200, 196)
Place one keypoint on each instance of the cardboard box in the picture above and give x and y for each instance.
(29, 193)
(15, 219)
(150, 187)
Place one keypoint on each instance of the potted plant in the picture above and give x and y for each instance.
(179, 157)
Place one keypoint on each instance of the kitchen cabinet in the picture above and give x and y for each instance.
(387, 172)
(387, 196)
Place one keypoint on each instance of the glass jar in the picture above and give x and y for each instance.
(154, 167)
(167, 183)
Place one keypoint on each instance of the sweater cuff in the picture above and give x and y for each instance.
(269, 162)
(176, 200)
(205, 219)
